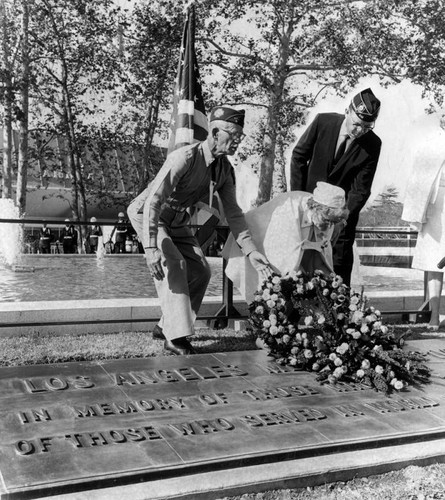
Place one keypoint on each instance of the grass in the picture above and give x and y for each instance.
(411, 483)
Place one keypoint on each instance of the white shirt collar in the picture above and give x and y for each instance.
(208, 156)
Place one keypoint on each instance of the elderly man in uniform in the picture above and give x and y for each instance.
(341, 150)
(159, 215)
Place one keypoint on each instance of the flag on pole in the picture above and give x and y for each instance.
(188, 122)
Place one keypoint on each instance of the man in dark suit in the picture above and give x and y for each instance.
(341, 150)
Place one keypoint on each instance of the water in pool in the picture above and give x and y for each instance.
(86, 277)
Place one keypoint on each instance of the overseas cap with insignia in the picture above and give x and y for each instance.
(226, 114)
(366, 105)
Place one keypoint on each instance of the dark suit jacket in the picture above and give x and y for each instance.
(312, 161)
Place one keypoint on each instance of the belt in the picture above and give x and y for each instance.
(175, 206)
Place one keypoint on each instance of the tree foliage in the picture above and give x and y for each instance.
(279, 56)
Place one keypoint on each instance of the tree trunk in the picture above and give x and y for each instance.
(268, 157)
(151, 121)
(22, 174)
(79, 199)
(7, 103)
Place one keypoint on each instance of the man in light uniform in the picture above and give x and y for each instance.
(159, 215)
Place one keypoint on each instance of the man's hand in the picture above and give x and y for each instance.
(153, 257)
(261, 264)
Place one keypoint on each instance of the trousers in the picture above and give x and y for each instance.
(187, 272)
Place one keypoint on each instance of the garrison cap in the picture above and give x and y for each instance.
(230, 115)
(366, 105)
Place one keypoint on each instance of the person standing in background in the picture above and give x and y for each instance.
(69, 238)
(424, 209)
(121, 230)
(341, 150)
(93, 236)
(45, 239)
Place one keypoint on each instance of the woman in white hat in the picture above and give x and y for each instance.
(295, 231)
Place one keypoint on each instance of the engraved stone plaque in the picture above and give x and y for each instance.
(75, 426)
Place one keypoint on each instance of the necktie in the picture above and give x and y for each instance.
(213, 178)
(341, 149)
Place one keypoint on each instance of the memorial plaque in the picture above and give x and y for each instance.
(75, 426)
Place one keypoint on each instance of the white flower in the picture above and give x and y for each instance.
(364, 329)
(398, 385)
(292, 361)
(350, 331)
(366, 365)
(286, 339)
(377, 325)
(271, 303)
(332, 356)
(273, 321)
(338, 362)
(325, 292)
(357, 317)
(379, 369)
(266, 323)
(298, 337)
(377, 348)
(321, 319)
(308, 320)
(300, 289)
(266, 295)
(360, 373)
(259, 309)
(310, 285)
(304, 335)
(338, 372)
(276, 280)
(258, 298)
(274, 296)
(384, 329)
(294, 351)
(315, 367)
(377, 312)
(334, 296)
(353, 307)
(354, 300)
(356, 335)
(308, 354)
(342, 348)
(273, 330)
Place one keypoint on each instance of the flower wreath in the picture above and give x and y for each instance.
(318, 324)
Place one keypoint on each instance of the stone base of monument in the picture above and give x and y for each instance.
(204, 426)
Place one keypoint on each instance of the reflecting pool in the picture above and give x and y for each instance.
(84, 277)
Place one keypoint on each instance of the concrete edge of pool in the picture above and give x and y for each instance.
(137, 314)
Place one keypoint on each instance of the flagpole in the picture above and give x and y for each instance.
(188, 122)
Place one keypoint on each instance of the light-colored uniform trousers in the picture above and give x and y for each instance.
(187, 272)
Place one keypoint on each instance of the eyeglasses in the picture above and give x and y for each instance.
(236, 136)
